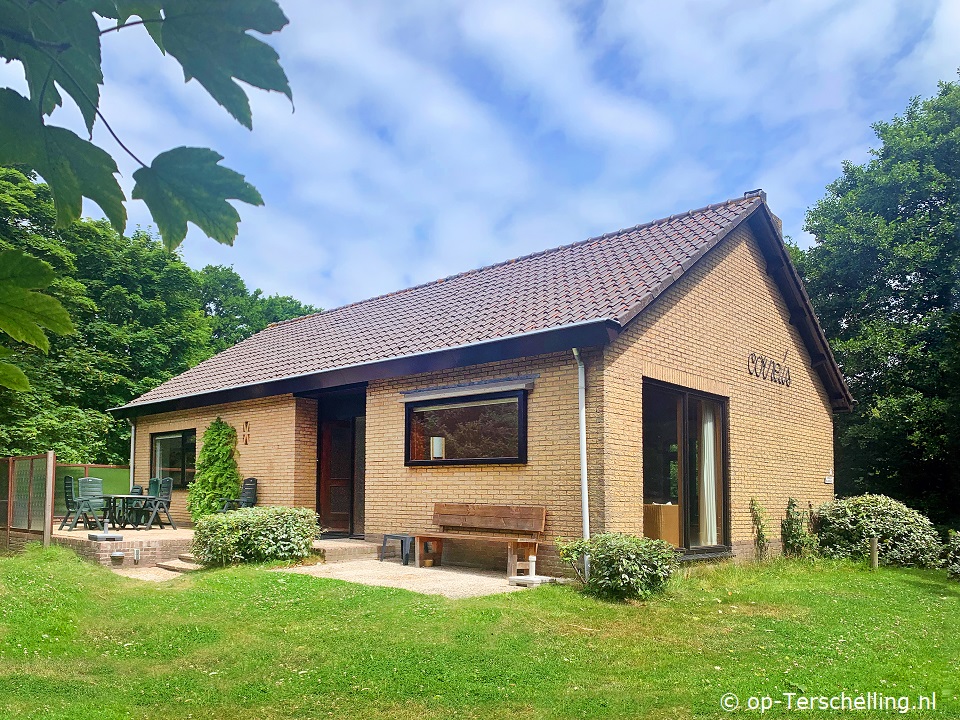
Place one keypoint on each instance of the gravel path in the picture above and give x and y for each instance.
(450, 582)
(153, 574)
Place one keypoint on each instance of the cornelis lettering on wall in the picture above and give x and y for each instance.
(766, 368)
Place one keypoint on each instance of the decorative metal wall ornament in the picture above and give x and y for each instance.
(766, 368)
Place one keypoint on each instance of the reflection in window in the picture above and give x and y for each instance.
(480, 429)
(175, 456)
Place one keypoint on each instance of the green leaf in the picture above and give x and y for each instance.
(24, 312)
(122, 10)
(12, 377)
(211, 42)
(58, 44)
(74, 168)
(188, 185)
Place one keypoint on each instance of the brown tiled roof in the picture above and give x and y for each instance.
(611, 277)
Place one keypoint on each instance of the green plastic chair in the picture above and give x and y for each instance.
(160, 504)
(90, 501)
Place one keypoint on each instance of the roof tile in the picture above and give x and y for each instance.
(605, 277)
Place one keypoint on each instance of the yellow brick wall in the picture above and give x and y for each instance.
(400, 498)
(698, 335)
(281, 454)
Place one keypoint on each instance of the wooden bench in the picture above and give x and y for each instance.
(519, 526)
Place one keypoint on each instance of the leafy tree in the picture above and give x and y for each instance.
(139, 315)
(58, 45)
(217, 473)
(884, 275)
(137, 311)
(235, 313)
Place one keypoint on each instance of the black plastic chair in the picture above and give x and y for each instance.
(160, 504)
(248, 497)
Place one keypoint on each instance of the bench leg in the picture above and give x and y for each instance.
(518, 557)
(420, 550)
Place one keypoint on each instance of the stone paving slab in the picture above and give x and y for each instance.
(451, 582)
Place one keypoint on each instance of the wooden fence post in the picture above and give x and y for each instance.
(49, 498)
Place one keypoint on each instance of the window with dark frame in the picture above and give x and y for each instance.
(468, 430)
(684, 467)
(174, 455)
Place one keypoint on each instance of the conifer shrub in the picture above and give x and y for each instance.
(217, 475)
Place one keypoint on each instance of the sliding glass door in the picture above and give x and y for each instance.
(683, 470)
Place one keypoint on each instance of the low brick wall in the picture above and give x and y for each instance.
(151, 551)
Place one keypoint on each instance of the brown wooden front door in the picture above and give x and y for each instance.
(336, 474)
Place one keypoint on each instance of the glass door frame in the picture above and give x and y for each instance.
(683, 455)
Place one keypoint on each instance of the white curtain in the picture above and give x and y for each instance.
(708, 477)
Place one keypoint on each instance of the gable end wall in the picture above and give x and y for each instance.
(699, 334)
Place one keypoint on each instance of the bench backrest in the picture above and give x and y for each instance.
(476, 516)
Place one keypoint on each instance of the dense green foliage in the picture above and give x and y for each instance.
(141, 315)
(255, 534)
(622, 566)
(952, 560)
(244, 642)
(217, 475)
(884, 277)
(234, 313)
(795, 536)
(58, 46)
(906, 537)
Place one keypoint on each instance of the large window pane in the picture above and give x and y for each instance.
(175, 456)
(487, 429)
(683, 484)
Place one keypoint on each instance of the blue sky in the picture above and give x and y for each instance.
(433, 137)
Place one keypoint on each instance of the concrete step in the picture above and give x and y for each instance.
(345, 550)
(188, 558)
(179, 565)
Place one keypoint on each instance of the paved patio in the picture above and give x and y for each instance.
(451, 582)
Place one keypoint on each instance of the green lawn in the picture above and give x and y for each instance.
(78, 641)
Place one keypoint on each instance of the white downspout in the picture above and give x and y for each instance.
(133, 447)
(584, 487)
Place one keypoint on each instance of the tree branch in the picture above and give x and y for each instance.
(128, 24)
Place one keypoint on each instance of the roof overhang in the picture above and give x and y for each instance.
(802, 315)
(540, 342)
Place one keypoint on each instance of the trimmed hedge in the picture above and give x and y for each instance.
(255, 534)
(953, 556)
(906, 537)
(621, 566)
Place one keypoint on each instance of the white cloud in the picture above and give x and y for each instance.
(430, 138)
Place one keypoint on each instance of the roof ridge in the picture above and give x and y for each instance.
(748, 196)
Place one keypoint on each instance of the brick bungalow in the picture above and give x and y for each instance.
(708, 381)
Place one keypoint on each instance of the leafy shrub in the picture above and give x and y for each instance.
(953, 555)
(758, 516)
(621, 566)
(795, 533)
(906, 537)
(217, 474)
(254, 535)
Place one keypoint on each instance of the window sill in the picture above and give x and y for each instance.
(706, 554)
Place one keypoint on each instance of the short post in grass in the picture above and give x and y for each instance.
(874, 553)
